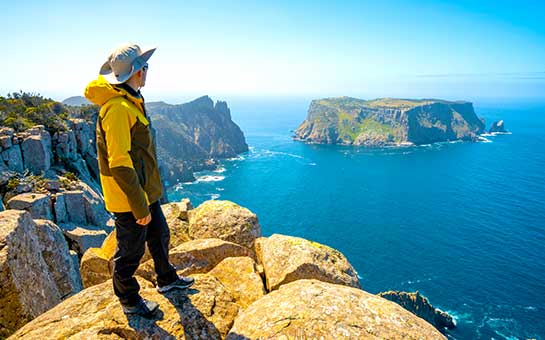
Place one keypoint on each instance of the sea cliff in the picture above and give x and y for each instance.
(388, 122)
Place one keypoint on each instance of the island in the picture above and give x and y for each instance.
(388, 122)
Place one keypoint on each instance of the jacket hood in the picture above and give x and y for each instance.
(99, 91)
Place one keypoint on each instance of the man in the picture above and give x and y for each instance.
(130, 178)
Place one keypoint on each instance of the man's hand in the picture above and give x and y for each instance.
(144, 220)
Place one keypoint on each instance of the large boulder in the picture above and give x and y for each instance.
(75, 206)
(241, 278)
(224, 220)
(27, 287)
(287, 258)
(82, 131)
(205, 311)
(65, 145)
(81, 237)
(197, 256)
(57, 257)
(38, 205)
(420, 306)
(83, 206)
(312, 309)
(176, 215)
(13, 158)
(36, 153)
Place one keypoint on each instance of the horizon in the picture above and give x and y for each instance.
(454, 50)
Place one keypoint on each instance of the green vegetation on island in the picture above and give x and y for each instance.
(388, 121)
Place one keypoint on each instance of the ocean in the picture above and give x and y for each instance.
(463, 222)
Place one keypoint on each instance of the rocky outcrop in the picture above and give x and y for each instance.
(191, 136)
(58, 258)
(206, 311)
(241, 278)
(287, 258)
(419, 305)
(311, 309)
(228, 299)
(38, 205)
(386, 121)
(498, 127)
(224, 220)
(35, 269)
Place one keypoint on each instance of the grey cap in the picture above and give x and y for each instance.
(123, 62)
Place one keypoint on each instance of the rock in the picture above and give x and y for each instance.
(419, 305)
(59, 207)
(58, 259)
(95, 210)
(95, 267)
(75, 206)
(36, 154)
(5, 142)
(6, 131)
(241, 278)
(27, 287)
(205, 311)
(197, 256)
(66, 145)
(83, 134)
(13, 158)
(176, 217)
(39, 205)
(498, 127)
(224, 220)
(178, 209)
(83, 237)
(287, 258)
(97, 263)
(311, 309)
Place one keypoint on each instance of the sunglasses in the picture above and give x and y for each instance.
(145, 68)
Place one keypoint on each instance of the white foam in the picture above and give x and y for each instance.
(214, 196)
(210, 178)
(220, 189)
(483, 139)
(220, 170)
(311, 163)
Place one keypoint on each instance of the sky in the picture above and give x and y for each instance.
(459, 49)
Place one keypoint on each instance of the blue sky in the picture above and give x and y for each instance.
(448, 49)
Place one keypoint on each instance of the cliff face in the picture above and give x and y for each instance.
(191, 136)
(382, 122)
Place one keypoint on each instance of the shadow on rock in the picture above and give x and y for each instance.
(194, 323)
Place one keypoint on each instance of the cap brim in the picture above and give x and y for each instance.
(139, 62)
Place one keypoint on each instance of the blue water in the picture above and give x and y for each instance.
(463, 223)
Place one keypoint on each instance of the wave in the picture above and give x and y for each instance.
(210, 178)
(219, 170)
(483, 139)
(492, 134)
(237, 158)
(214, 196)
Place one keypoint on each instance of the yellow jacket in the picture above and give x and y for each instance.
(127, 159)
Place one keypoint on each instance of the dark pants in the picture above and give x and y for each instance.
(131, 239)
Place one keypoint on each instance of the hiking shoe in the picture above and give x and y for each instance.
(180, 283)
(143, 308)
